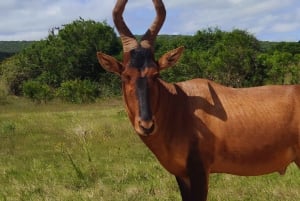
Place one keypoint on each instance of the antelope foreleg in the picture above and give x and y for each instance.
(195, 188)
(184, 187)
(297, 161)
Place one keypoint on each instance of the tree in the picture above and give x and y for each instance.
(66, 54)
(281, 68)
(290, 47)
(12, 75)
(229, 58)
(234, 59)
(81, 40)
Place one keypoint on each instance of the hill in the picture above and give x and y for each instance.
(9, 48)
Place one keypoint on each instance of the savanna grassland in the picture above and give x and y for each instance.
(87, 152)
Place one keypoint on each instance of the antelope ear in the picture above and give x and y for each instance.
(109, 63)
(170, 58)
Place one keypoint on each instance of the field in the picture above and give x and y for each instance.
(90, 152)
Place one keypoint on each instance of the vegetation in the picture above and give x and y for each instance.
(78, 91)
(233, 58)
(9, 48)
(68, 55)
(90, 152)
(14, 46)
(37, 92)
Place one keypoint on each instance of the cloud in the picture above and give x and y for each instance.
(268, 19)
(31, 20)
(258, 17)
(285, 27)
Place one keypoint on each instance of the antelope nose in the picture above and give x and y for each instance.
(147, 126)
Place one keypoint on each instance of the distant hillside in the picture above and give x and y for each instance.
(13, 46)
(291, 47)
(9, 48)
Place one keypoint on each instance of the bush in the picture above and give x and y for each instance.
(37, 92)
(3, 97)
(109, 85)
(3, 93)
(78, 91)
(13, 75)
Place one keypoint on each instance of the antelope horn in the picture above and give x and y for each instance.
(149, 37)
(128, 40)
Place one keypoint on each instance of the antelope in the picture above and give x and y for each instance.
(198, 127)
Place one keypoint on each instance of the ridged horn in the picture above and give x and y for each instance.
(149, 37)
(128, 39)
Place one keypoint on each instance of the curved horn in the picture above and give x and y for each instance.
(128, 40)
(150, 36)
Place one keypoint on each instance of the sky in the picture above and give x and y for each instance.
(268, 20)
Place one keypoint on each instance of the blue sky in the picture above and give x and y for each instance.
(271, 20)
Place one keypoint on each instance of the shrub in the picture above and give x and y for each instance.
(3, 93)
(110, 85)
(3, 97)
(78, 91)
(37, 92)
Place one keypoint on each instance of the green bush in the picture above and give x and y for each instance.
(37, 92)
(78, 91)
(3, 93)
(109, 85)
(3, 97)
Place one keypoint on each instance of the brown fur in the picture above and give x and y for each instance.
(199, 127)
(249, 131)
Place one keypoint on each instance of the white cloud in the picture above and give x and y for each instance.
(27, 20)
(258, 17)
(285, 27)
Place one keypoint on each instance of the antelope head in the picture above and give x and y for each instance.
(139, 70)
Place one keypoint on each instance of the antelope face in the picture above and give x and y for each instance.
(140, 89)
(140, 84)
(139, 70)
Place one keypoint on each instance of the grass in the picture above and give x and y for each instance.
(89, 152)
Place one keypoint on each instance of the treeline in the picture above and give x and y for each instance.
(4, 55)
(9, 48)
(64, 65)
(234, 59)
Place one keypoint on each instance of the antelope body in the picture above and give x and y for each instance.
(198, 127)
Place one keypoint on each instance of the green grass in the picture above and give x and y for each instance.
(90, 152)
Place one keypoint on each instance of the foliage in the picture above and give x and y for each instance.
(3, 93)
(281, 67)
(78, 91)
(226, 57)
(14, 46)
(13, 74)
(290, 47)
(37, 91)
(4, 55)
(234, 58)
(68, 53)
(109, 85)
(9, 48)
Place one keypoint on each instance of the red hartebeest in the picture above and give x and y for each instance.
(199, 127)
